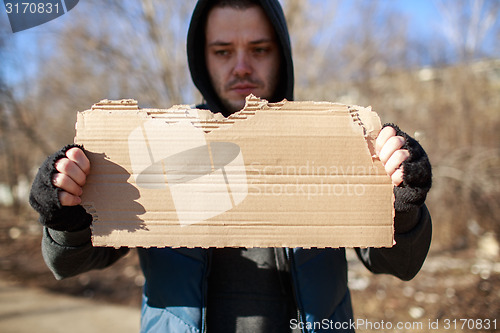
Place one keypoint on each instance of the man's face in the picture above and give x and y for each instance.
(242, 55)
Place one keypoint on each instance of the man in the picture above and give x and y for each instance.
(237, 47)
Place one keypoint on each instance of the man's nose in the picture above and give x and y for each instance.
(242, 66)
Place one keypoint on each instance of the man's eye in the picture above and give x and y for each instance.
(261, 50)
(221, 53)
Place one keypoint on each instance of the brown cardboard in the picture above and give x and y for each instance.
(289, 174)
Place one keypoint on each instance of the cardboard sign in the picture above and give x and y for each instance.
(288, 174)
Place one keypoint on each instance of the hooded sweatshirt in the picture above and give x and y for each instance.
(197, 62)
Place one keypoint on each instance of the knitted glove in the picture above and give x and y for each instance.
(417, 175)
(45, 200)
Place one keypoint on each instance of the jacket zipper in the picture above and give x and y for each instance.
(205, 292)
(289, 255)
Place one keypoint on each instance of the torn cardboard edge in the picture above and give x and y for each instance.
(287, 174)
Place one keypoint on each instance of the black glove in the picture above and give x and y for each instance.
(45, 200)
(417, 175)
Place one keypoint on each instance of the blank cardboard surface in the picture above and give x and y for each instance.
(288, 174)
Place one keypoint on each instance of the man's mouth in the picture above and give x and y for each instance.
(243, 88)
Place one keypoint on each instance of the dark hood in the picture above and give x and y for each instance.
(196, 54)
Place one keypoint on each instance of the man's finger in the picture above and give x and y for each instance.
(65, 183)
(395, 161)
(78, 156)
(67, 199)
(68, 167)
(392, 144)
(384, 135)
(397, 176)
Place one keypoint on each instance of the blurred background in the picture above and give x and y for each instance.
(430, 66)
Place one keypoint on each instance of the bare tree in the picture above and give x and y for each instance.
(129, 50)
(467, 24)
(310, 28)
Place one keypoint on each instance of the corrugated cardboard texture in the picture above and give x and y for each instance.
(289, 174)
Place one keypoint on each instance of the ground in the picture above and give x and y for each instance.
(456, 291)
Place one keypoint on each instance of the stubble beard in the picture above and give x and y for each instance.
(233, 106)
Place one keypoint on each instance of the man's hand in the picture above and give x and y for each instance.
(388, 148)
(73, 170)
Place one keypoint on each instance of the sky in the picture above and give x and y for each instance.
(421, 13)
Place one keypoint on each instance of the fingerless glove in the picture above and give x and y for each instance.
(44, 199)
(417, 175)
